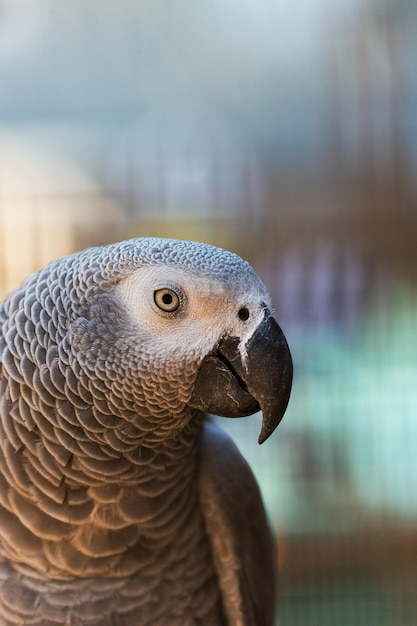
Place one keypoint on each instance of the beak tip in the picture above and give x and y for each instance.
(264, 434)
(267, 428)
(262, 438)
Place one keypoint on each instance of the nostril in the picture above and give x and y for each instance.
(243, 314)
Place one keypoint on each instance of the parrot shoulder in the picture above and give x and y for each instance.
(242, 544)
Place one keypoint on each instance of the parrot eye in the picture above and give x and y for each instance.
(167, 300)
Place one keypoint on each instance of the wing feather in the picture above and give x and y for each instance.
(243, 546)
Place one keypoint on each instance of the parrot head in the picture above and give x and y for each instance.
(184, 324)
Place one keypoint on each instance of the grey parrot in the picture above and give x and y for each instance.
(121, 501)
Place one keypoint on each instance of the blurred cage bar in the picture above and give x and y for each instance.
(292, 141)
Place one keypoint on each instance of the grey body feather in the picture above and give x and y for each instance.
(120, 503)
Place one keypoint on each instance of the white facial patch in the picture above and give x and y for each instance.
(208, 310)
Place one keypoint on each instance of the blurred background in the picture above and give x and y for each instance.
(286, 132)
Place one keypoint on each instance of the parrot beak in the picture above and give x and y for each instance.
(237, 380)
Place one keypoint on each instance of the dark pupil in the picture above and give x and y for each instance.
(167, 298)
